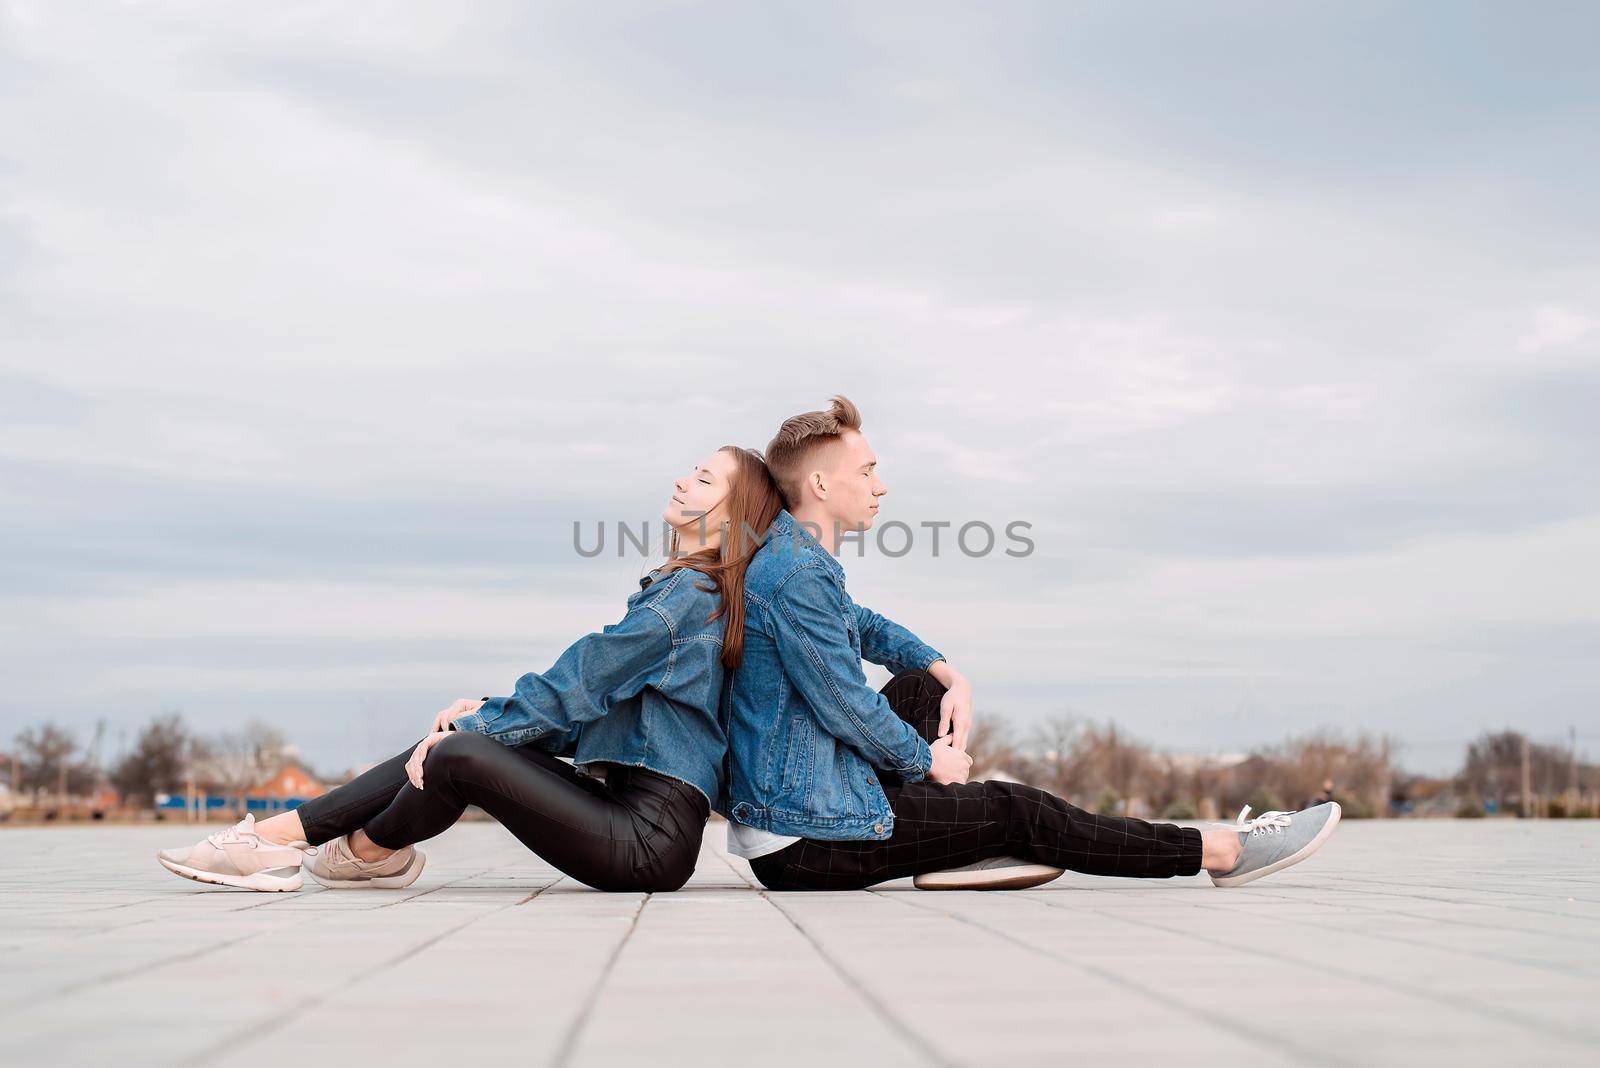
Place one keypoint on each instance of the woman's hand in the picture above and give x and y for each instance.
(419, 754)
(457, 709)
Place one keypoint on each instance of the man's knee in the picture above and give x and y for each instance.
(917, 682)
(915, 696)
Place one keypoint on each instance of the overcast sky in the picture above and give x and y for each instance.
(321, 324)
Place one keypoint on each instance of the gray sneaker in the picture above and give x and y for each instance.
(1275, 840)
(995, 873)
(334, 866)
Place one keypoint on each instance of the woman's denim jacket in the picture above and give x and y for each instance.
(804, 728)
(643, 691)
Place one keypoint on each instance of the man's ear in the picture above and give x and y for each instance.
(817, 485)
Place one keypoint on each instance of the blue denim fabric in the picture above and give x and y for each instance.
(805, 730)
(643, 691)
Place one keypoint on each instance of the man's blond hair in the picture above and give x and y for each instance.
(792, 453)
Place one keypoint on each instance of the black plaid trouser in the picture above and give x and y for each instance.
(946, 826)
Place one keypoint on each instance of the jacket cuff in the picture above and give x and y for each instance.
(926, 657)
(918, 769)
(478, 722)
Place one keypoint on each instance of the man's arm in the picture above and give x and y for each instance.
(548, 709)
(819, 659)
(883, 641)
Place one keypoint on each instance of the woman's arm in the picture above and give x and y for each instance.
(547, 708)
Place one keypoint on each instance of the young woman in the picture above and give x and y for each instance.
(636, 704)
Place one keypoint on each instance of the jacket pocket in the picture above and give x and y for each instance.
(798, 759)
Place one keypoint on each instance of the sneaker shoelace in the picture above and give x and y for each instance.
(1269, 822)
(339, 852)
(231, 834)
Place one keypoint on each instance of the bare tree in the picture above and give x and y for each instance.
(1091, 765)
(993, 748)
(45, 765)
(1047, 760)
(239, 760)
(1493, 769)
(159, 762)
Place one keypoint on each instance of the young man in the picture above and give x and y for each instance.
(832, 785)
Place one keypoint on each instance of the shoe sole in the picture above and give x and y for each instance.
(1293, 858)
(398, 881)
(1020, 877)
(259, 881)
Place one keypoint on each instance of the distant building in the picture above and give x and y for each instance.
(290, 781)
(285, 789)
(103, 798)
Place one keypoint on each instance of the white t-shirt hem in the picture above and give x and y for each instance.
(748, 843)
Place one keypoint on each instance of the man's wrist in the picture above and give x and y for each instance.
(944, 674)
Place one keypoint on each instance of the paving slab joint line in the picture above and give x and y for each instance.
(1272, 1042)
(1469, 1005)
(574, 1031)
(892, 1020)
(1346, 886)
(1450, 921)
(144, 968)
(239, 1039)
(1436, 947)
(430, 890)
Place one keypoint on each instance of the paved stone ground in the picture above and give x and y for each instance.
(1400, 943)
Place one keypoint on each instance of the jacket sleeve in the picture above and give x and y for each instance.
(811, 639)
(885, 642)
(548, 709)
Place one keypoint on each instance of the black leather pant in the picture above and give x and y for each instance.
(637, 831)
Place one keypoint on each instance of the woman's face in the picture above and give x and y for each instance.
(701, 493)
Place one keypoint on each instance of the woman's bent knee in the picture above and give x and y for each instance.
(456, 747)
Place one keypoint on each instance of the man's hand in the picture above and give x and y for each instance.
(457, 709)
(950, 765)
(419, 754)
(955, 708)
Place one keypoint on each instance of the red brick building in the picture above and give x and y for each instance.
(290, 780)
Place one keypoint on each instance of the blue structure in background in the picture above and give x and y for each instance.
(211, 802)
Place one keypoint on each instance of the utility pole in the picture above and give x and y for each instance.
(1572, 771)
(1527, 780)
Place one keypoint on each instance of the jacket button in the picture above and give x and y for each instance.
(877, 828)
(872, 780)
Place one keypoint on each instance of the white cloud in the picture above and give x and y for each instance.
(1556, 328)
(303, 322)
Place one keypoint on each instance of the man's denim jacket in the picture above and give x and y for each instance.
(643, 691)
(805, 730)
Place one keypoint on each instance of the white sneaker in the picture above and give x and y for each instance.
(334, 866)
(995, 873)
(237, 857)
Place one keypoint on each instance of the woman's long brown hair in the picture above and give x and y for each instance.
(752, 503)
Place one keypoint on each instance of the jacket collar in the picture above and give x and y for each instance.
(796, 535)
